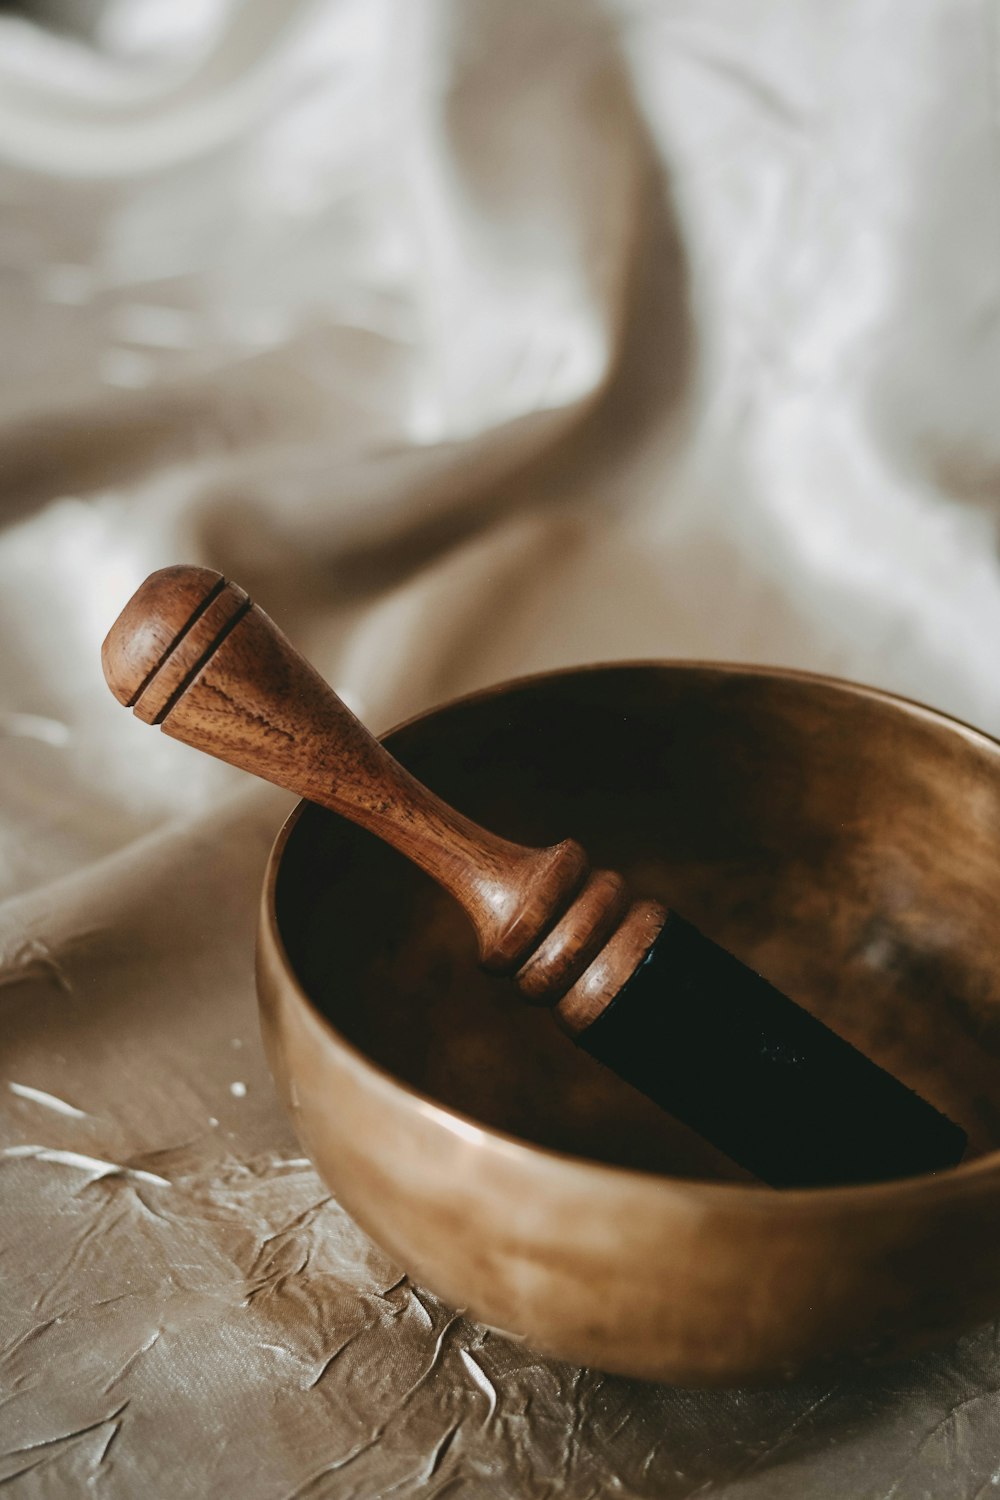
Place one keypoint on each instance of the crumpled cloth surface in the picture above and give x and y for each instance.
(473, 339)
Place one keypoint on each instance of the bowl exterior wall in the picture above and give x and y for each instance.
(625, 1271)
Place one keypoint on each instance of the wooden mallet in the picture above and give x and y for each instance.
(634, 984)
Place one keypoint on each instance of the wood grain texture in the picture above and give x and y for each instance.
(191, 653)
(150, 626)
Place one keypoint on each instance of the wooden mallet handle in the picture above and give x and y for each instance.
(192, 653)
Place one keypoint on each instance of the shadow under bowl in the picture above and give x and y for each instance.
(844, 842)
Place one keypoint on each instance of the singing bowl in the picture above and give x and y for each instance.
(843, 841)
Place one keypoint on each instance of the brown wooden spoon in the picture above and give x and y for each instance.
(634, 984)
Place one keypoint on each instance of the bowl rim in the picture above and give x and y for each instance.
(964, 1180)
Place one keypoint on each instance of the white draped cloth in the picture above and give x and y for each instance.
(473, 339)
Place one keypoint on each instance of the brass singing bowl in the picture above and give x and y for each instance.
(843, 841)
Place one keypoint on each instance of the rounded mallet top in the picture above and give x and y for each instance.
(160, 611)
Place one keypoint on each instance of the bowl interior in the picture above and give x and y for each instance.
(844, 843)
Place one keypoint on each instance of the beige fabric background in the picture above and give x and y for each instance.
(473, 338)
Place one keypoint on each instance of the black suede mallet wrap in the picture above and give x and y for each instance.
(716, 1045)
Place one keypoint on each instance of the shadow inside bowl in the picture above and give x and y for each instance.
(845, 844)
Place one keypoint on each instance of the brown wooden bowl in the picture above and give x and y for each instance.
(843, 841)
